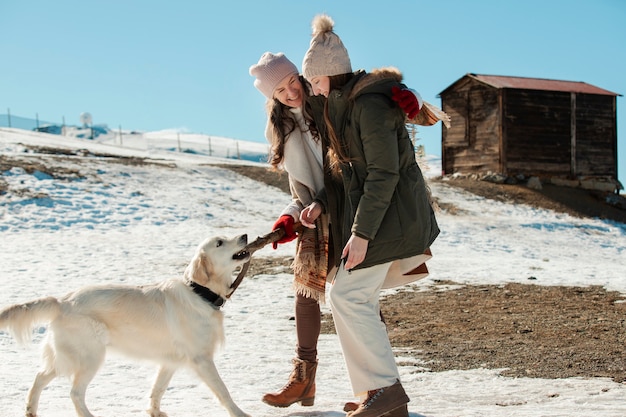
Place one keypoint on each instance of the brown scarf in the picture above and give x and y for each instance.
(310, 265)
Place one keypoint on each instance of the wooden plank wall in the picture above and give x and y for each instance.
(471, 143)
(537, 128)
(596, 135)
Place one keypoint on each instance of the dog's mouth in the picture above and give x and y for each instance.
(242, 255)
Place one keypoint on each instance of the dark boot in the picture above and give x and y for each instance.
(299, 388)
(402, 411)
(379, 402)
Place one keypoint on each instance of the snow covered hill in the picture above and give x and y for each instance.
(174, 140)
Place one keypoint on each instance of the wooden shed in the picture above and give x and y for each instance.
(530, 126)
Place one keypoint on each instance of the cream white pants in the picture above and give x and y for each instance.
(356, 312)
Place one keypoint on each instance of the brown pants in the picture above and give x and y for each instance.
(308, 325)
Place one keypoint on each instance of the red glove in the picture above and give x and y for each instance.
(285, 222)
(408, 100)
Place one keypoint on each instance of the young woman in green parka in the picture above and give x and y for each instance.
(387, 224)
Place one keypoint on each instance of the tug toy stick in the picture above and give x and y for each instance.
(259, 243)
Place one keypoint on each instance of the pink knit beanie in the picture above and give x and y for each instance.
(326, 55)
(270, 71)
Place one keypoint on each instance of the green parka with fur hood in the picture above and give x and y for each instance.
(386, 200)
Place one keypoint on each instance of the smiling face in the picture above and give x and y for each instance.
(290, 91)
(320, 85)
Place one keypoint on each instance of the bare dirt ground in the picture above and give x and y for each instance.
(527, 330)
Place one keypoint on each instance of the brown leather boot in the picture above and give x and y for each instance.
(299, 388)
(382, 401)
(401, 411)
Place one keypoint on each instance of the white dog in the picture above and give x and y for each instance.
(174, 323)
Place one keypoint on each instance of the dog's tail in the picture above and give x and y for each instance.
(19, 319)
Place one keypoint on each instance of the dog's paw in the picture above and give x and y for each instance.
(156, 413)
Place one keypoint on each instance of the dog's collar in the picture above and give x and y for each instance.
(209, 296)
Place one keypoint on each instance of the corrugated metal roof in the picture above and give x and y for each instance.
(498, 81)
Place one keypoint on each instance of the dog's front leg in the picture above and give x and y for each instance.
(207, 370)
(161, 382)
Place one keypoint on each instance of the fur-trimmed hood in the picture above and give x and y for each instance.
(376, 81)
(381, 80)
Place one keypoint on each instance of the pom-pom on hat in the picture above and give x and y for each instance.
(270, 71)
(326, 55)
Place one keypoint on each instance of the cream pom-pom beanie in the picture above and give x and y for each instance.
(326, 55)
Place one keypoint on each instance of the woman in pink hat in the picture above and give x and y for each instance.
(297, 148)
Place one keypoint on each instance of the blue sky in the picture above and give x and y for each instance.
(152, 65)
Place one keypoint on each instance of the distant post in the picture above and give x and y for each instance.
(9, 115)
(87, 121)
(121, 140)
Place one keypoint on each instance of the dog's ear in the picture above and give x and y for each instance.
(200, 269)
